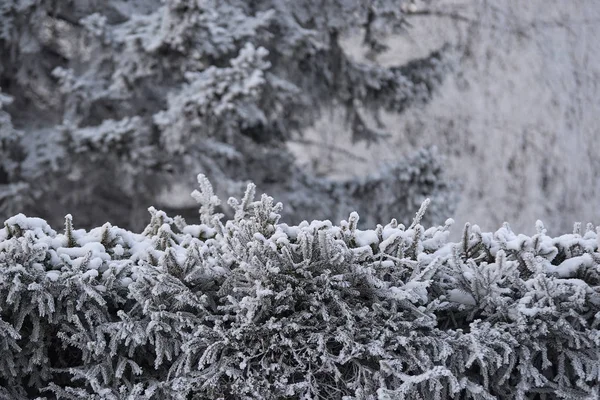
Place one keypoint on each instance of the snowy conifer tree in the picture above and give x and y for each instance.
(114, 102)
(251, 308)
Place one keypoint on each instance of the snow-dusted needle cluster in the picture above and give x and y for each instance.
(250, 308)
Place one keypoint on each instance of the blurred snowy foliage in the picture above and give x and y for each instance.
(115, 103)
(516, 116)
(250, 308)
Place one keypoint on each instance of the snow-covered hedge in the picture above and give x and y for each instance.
(254, 309)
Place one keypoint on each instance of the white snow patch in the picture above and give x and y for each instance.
(458, 296)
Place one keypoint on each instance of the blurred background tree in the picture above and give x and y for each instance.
(110, 107)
